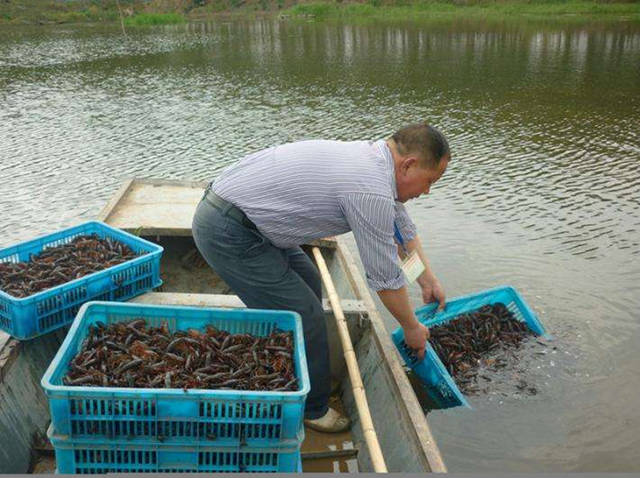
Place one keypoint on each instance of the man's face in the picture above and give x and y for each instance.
(412, 179)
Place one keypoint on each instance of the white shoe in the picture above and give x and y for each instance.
(332, 422)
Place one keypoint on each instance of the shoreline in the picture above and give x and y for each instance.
(138, 13)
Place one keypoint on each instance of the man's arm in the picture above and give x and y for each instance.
(397, 302)
(432, 290)
(371, 219)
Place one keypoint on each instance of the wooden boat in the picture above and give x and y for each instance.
(161, 211)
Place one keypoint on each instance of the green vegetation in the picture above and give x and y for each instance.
(160, 12)
(56, 11)
(488, 10)
(142, 19)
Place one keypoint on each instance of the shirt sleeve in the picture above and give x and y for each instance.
(404, 222)
(371, 219)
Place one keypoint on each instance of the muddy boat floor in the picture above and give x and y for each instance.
(321, 452)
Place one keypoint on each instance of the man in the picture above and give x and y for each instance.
(252, 220)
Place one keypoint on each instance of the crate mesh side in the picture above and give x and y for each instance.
(138, 418)
(115, 407)
(48, 305)
(60, 317)
(237, 461)
(62, 241)
(15, 258)
(52, 312)
(114, 428)
(5, 316)
(91, 461)
(130, 281)
(76, 295)
(122, 292)
(103, 297)
(515, 310)
(88, 456)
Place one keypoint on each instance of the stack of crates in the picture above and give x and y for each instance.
(120, 430)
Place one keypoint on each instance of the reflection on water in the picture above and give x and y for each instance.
(543, 191)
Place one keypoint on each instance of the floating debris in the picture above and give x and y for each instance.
(130, 354)
(471, 340)
(57, 265)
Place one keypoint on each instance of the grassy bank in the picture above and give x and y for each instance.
(133, 12)
(145, 19)
(486, 10)
(156, 12)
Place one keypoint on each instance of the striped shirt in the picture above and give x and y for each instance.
(297, 192)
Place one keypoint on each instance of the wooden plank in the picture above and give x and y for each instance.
(394, 375)
(316, 455)
(153, 208)
(227, 301)
(103, 215)
(24, 409)
(4, 339)
(327, 243)
(8, 353)
(190, 183)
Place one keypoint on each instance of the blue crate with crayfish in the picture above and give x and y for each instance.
(176, 416)
(47, 310)
(439, 384)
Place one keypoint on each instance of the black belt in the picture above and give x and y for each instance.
(226, 208)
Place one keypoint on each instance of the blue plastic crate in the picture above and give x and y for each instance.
(53, 308)
(175, 416)
(439, 384)
(91, 456)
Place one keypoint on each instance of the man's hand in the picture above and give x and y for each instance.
(432, 291)
(416, 337)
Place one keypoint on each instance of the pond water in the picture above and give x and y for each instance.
(543, 191)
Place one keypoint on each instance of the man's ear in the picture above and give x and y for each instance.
(408, 163)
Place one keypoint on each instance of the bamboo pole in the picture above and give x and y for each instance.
(359, 394)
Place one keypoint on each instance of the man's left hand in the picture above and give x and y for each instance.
(432, 291)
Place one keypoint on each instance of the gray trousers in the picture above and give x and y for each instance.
(267, 277)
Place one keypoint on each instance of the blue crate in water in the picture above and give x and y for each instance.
(175, 416)
(42, 312)
(91, 456)
(439, 384)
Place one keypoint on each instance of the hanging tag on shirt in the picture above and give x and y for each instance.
(412, 265)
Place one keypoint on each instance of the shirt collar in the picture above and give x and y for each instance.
(383, 147)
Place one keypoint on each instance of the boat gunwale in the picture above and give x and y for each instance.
(410, 406)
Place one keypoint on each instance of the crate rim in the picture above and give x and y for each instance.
(448, 378)
(434, 314)
(66, 440)
(125, 392)
(73, 283)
